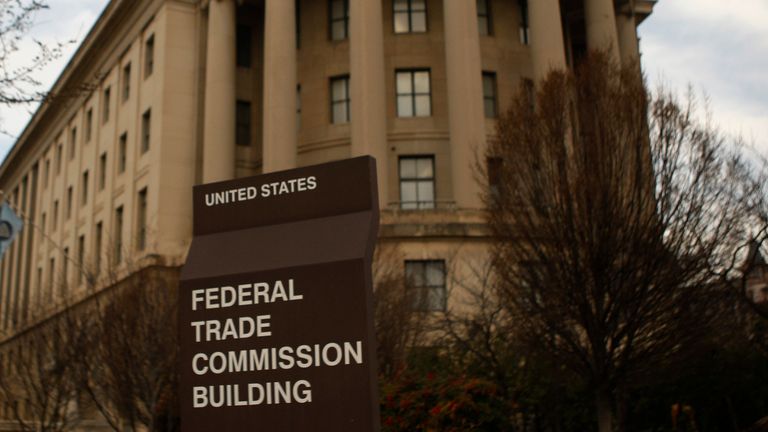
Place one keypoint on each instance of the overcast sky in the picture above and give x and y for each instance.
(718, 47)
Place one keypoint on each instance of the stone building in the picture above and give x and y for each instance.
(166, 94)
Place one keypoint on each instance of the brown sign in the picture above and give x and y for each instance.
(275, 315)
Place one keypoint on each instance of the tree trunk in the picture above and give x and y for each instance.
(604, 410)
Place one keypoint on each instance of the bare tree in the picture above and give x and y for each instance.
(616, 216)
(39, 376)
(131, 373)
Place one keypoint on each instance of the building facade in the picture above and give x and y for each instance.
(166, 94)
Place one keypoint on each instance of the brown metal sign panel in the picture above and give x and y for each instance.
(275, 314)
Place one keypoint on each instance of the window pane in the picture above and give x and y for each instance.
(401, 5)
(404, 106)
(408, 192)
(337, 9)
(423, 108)
(418, 21)
(435, 299)
(418, 5)
(435, 273)
(482, 26)
(404, 82)
(482, 8)
(488, 85)
(426, 192)
(490, 108)
(424, 167)
(421, 82)
(340, 113)
(339, 89)
(414, 271)
(338, 30)
(401, 22)
(408, 168)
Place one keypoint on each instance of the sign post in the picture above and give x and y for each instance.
(275, 313)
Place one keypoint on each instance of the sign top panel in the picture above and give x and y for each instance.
(304, 193)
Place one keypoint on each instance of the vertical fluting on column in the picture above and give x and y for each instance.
(279, 110)
(547, 44)
(465, 99)
(219, 117)
(369, 121)
(601, 26)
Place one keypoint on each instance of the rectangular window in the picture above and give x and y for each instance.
(524, 30)
(489, 94)
(339, 19)
(97, 248)
(85, 189)
(126, 82)
(88, 124)
(298, 107)
(122, 153)
(80, 258)
(72, 143)
(65, 270)
(410, 16)
(59, 157)
(141, 221)
(340, 100)
(426, 282)
(149, 56)
(484, 18)
(243, 46)
(102, 171)
(105, 107)
(417, 182)
(146, 122)
(414, 97)
(243, 123)
(118, 252)
(43, 222)
(51, 280)
(68, 214)
(47, 172)
(55, 218)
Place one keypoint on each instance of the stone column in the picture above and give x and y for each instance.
(547, 44)
(601, 26)
(219, 120)
(628, 43)
(369, 118)
(465, 99)
(280, 137)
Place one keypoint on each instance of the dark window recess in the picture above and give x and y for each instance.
(410, 16)
(243, 44)
(243, 123)
(417, 182)
(426, 283)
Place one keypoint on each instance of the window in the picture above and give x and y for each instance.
(298, 107)
(339, 19)
(243, 47)
(117, 255)
(524, 31)
(97, 247)
(65, 270)
(72, 143)
(55, 218)
(243, 123)
(141, 221)
(43, 221)
(88, 124)
(484, 18)
(84, 200)
(122, 152)
(426, 279)
(47, 172)
(410, 16)
(489, 94)
(149, 56)
(59, 156)
(413, 93)
(340, 101)
(146, 121)
(417, 182)
(102, 171)
(51, 273)
(126, 82)
(80, 258)
(69, 203)
(105, 109)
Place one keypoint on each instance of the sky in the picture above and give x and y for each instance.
(718, 48)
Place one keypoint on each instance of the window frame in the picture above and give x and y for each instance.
(122, 153)
(346, 100)
(146, 128)
(141, 219)
(493, 98)
(126, 75)
(149, 56)
(333, 20)
(488, 16)
(243, 129)
(413, 94)
(418, 204)
(243, 45)
(409, 11)
(424, 293)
